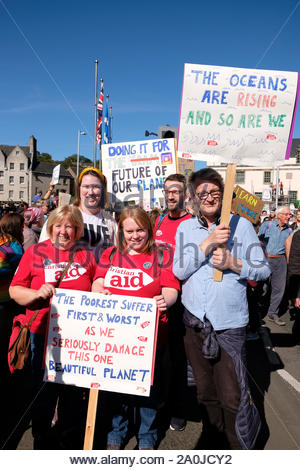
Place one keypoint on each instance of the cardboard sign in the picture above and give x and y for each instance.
(64, 199)
(136, 171)
(55, 174)
(101, 342)
(247, 205)
(236, 115)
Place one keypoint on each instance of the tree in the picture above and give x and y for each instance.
(72, 161)
(44, 157)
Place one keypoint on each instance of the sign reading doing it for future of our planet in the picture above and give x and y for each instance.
(101, 342)
(136, 171)
(237, 115)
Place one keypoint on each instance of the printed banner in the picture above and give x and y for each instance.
(136, 171)
(102, 342)
(247, 205)
(236, 115)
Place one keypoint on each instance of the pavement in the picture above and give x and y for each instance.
(274, 374)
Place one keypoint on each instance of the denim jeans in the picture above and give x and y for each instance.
(144, 409)
(144, 420)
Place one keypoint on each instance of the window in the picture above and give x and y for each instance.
(1, 188)
(22, 179)
(292, 196)
(22, 166)
(240, 177)
(21, 195)
(267, 177)
(10, 194)
(259, 195)
(11, 180)
(1, 173)
(11, 166)
(17, 151)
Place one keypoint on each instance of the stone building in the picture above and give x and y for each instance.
(22, 176)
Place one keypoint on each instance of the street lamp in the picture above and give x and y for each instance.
(147, 133)
(78, 146)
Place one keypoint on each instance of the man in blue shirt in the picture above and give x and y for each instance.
(37, 197)
(216, 313)
(274, 234)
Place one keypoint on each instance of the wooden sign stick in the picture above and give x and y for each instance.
(90, 420)
(226, 208)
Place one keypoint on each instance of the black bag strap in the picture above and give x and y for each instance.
(111, 254)
(62, 275)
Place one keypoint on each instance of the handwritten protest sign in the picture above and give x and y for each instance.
(136, 171)
(237, 115)
(55, 174)
(247, 205)
(101, 342)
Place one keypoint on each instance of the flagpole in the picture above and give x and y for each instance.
(95, 135)
(110, 118)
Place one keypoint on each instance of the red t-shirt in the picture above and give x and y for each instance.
(43, 263)
(137, 275)
(165, 234)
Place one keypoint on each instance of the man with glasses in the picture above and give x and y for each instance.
(274, 234)
(216, 313)
(164, 233)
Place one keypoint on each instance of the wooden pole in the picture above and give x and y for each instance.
(91, 420)
(226, 208)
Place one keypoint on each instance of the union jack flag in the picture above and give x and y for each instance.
(106, 139)
(99, 115)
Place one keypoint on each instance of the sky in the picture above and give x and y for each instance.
(48, 52)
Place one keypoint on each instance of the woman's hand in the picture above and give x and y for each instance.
(160, 303)
(98, 286)
(45, 292)
(105, 292)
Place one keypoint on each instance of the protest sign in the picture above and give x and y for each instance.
(267, 195)
(101, 342)
(247, 205)
(136, 171)
(64, 199)
(237, 115)
(55, 174)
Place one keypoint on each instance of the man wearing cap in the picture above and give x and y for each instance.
(274, 234)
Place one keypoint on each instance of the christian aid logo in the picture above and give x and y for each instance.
(54, 270)
(131, 279)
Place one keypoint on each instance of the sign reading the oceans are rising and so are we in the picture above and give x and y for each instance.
(237, 115)
(101, 342)
(136, 171)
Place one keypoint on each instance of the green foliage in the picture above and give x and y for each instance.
(44, 157)
(72, 161)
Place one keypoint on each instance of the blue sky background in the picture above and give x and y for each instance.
(48, 48)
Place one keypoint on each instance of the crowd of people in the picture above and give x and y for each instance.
(203, 324)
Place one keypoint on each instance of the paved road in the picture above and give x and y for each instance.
(273, 363)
